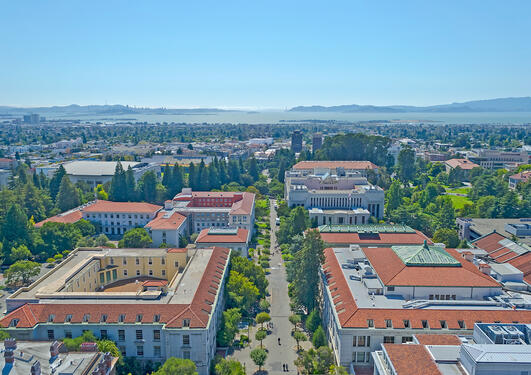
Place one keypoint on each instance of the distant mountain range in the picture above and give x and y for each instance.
(105, 110)
(490, 105)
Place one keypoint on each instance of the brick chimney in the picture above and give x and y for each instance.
(485, 268)
(36, 368)
(54, 349)
(468, 256)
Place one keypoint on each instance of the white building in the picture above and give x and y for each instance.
(376, 295)
(334, 195)
(116, 218)
(99, 172)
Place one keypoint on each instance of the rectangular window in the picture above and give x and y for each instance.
(139, 318)
(406, 339)
(443, 324)
(68, 318)
(163, 272)
(186, 322)
(176, 264)
(139, 335)
(138, 272)
(461, 324)
(103, 318)
(150, 261)
(370, 323)
(360, 357)
(390, 288)
(156, 335)
(103, 334)
(354, 340)
(51, 334)
(121, 318)
(424, 324)
(156, 351)
(102, 278)
(125, 272)
(186, 354)
(86, 318)
(389, 339)
(121, 335)
(186, 339)
(140, 350)
(388, 323)
(150, 272)
(406, 323)
(156, 318)
(68, 334)
(361, 340)
(124, 261)
(114, 274)
(137, 261)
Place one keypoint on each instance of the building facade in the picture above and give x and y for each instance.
(154, 303)
(376, 295)
(296, 141)
(333, 195)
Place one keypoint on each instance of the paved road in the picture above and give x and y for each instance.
(280, 312)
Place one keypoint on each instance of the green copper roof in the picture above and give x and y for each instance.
(424, 255)
(366, 228)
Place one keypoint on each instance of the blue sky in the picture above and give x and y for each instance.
(262, 54)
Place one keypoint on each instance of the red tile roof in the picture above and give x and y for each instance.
(134, 207)
(241, 203)
(172, 222)
(68, 218)
(198, 312)
(206, 237)
(350, 316)
(411, 359)
(335, 164)
(426, 339)
(150, 283)
(522, 176)
(177, 250)
(464, 164)
(381, 239)
(501, 254)
(392, 271)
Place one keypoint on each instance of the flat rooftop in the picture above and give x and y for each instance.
(359, 288)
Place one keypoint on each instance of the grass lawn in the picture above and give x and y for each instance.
(460, 190)
(458, 201)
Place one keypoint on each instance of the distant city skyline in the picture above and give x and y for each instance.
(274, 55)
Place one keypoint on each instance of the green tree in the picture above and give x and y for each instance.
(55, 182)
(229, 367)
(15, 229)
(177, 366)
(264, 304)
(299, 336)
(259, 357)
(229, 326)
(307, 261)
(241, 291)
(109, 346)
(101, 193)
(319, 337)
(394, 196)
(130, 185)
(68, 196)
(313, 321)
(176, 182)
(20, 253)
(262, 318)
(22, 271)
(485, 206)
(445, 217)
(295, 319)
(118, 190)
(136, 238)
(192, 177)
(447, 236)
(281, 171)
(253, 169)
(147, 186)
(260, 335)
(405, 164)
(299, 220)
(34, 202)
(315, 361)
(252, 271)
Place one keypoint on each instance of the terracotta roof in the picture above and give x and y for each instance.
(350, 316)
(135, 207)
(68, 218)
(375, 238)
(522, 176)
(206, 237)
(198, 312)
(243, 206)
(501, 254)
(241, 203)
(411, 359)
(426, 339)
(335, 164)
(461, 163)
(392, 271)
(174, 221)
